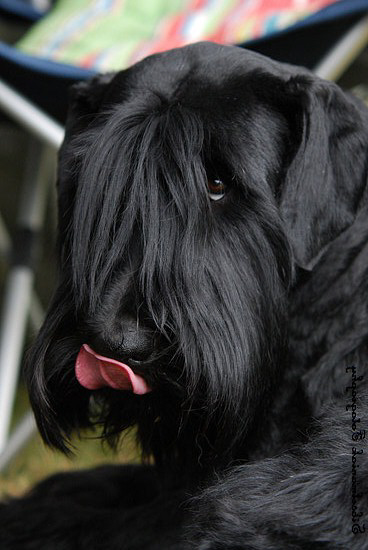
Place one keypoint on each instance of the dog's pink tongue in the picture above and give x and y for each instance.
(95, 371)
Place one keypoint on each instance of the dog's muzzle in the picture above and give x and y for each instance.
(94, 371)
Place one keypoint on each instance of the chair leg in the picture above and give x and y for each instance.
(19, 437)
(19, 284)
(36, 314)
(343, 53)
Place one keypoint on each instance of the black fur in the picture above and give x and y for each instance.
(248, 316)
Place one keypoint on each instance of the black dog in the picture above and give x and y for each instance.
(214, 293)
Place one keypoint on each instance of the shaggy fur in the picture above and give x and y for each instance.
(248, 315)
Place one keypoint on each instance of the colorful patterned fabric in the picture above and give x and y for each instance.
(110, 34)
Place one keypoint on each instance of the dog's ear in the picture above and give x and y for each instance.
(85, 99)
(326, 173)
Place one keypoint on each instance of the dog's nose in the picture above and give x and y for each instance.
(132, 342)
(137, 343)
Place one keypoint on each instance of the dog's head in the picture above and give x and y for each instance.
(189, 187)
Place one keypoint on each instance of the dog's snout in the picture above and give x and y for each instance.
(132, 342)
(137, 343)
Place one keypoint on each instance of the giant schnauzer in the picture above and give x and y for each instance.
(213, 294)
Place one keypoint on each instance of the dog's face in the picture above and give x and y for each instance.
(187, 191)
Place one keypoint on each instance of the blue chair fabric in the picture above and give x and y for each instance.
(46, 82)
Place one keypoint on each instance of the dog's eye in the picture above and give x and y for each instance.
(216, 188)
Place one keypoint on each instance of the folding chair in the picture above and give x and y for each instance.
(29, 10)
(33, 92)
(20, 303)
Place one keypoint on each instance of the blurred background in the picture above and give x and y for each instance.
(44, 47)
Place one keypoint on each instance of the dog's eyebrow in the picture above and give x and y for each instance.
(120, 160)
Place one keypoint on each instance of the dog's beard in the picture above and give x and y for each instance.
(211, 278)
